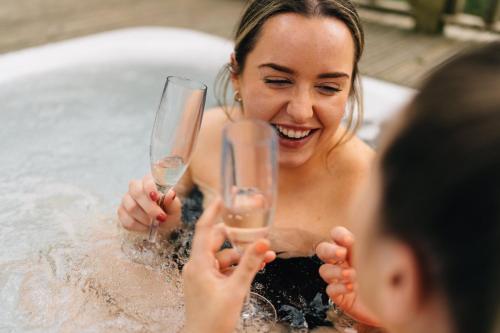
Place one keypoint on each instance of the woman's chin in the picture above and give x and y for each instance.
(289, 161)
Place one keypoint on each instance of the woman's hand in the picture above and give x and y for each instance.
(228, 258)
(214, 295)
(140, 205)
(341, 276)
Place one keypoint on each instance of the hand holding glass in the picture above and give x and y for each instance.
(249, 189)
(175, 130)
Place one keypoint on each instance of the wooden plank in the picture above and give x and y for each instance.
(411, 73)
(405, 57)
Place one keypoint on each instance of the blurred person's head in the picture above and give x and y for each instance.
(295, 65)
(429, 236)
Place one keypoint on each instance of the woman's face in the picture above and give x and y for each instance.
(298, 78)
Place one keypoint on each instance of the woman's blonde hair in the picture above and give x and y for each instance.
(258, 12)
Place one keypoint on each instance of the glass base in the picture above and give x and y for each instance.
(342, 322)
(257, 315)
(141, 251)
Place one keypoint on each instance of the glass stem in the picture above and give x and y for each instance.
(153, 231)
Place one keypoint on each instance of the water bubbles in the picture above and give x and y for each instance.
(85, 274)
(89, 284)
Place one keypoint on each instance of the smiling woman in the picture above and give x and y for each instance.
(302, 94)
(76, 119)
(294, 66)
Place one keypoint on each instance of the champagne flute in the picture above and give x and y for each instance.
(249, 190)
(175, 130)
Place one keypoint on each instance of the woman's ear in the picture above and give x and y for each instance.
(234, 71)
(400, 290)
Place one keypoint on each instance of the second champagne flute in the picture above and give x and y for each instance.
(249, 190)
(175, 130)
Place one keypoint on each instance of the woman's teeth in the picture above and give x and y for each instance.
(292, 134)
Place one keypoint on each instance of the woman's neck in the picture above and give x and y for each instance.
(315, 168)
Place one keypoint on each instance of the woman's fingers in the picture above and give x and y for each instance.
(128, 222)
(227, 258)
(250, 263)
(202, 240)
(342, 236)
(135, 211)
(169, 204)
(149, 188)
(331, 253)
(269, 257)
(336, 274)
(145, 201)
(335, 290)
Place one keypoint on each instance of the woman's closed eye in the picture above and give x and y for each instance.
(277, 82)
(328, 89)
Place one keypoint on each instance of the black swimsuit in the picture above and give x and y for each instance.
(292, 285)
(296, 290)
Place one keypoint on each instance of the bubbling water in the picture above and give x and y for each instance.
(95, 287)
(62, 267)
(89, 275)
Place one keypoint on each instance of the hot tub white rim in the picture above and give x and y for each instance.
(153, 45)
(141, 44)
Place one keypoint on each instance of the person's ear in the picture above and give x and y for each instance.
(234, 71)
(400, 290)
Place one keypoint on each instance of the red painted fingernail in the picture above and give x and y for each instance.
(153, 195)
(161, 218)
(349, 286)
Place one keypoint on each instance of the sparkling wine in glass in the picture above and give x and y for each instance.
(247, 217)
(175, 130)
(249, 190)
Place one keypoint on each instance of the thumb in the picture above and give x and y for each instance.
(250, 263)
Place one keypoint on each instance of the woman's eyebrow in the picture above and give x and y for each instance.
(284, 69)
(277, 67)
(333, 75)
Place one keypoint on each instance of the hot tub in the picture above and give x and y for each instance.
(75, 125)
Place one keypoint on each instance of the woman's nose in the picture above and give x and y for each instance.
(300, 106)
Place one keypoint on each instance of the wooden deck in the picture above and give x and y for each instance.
(395, 54)
(401, 56)
(25, 23)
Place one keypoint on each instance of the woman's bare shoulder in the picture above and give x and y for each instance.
(354, 156)
(210, 136)
(213, 122)
(214, 116)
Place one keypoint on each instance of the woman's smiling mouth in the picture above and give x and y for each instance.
(293, 136)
